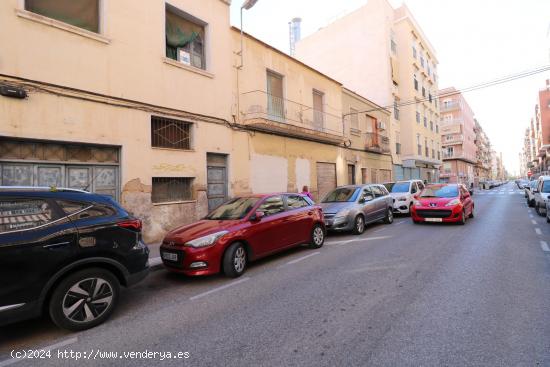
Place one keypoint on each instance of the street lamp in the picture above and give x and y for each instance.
(247, 5)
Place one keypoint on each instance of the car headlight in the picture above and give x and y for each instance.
(206, 240)
(402, 199)
(342, 213)
(453, 202)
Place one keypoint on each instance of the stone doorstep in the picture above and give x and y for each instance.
(155, 263)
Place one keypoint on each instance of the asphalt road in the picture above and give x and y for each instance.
(399, 295)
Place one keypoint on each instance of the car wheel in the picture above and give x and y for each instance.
(389, 216)
(234, 260)
(359, 225)
(410, 206)
(531, 203)
(84, 299)
(471, 213)
(537, 209)
(547, 219)
(317, 237)
(462, 218)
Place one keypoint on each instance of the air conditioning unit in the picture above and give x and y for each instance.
(381, 125)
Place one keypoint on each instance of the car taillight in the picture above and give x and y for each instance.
(133, 224)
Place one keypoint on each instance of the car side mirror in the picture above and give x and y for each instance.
(368, 198)
(257, 216)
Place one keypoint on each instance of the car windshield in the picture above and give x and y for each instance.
(546, 187)
(533, 184)
(342, 195)
(236, 208)
(398, 186)
(439, 192)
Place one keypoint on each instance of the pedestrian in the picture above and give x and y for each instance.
(305, 191)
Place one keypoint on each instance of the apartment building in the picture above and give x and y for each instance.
(458, 138)
(152, 104)
(536, 147)
(383, 54)
(482, 168)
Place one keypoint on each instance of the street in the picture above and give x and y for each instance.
(399, 295)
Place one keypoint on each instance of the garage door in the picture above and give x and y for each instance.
(326, 179)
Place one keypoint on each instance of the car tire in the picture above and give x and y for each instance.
(547, 219)
(471, 213)
(317, 237)
(359, 225)
(76, 304)
(235, 260)
(462, 218)
(537, 209)
(388, 219)
(410, 206)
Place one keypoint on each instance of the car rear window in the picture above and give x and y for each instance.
(21, 214)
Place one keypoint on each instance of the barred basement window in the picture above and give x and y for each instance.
(168, 189)
(170, 133)
(83, 13)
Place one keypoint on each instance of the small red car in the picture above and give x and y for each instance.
(243, 229)
(449, 203)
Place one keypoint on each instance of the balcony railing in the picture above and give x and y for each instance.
(450, 106)
(375, 142)
(459, 156)
(268, 112)
(455, 139)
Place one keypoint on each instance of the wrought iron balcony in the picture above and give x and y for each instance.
(450, 106)
(266, 112)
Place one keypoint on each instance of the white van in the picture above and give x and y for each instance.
(541, 194)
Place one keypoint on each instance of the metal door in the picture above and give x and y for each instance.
(216, 180)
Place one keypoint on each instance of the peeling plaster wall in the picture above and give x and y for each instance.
(269, 173)
(303, 173)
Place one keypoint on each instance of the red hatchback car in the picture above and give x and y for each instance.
(449, 203)
(241, 230)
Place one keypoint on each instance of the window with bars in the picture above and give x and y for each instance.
(396, 109)
(170, 133)
(169, 189)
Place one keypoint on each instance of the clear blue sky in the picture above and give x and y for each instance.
(475, 41)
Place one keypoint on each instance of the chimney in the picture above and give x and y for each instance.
(295, 33)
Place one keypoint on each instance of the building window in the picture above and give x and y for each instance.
(393, 47)
(415, 83)
(83, 13)
(318, 110)
(437, 128)
(431, 125)
(425, 122)
(170, 133)
(351, 174)
(184, 39)
(395, 109)
(170, 189)
(417, 117)
(430, 97)
(397, 148)
(354, 118)
(414, 52)
(423, 91)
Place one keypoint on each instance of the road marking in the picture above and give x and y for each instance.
(200, 295)
(544, 246)
(537, 230)
(155, 261)
(358, 240)
(533, 221)
(301, 258)
(9, 362)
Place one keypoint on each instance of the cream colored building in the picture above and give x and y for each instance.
(382, 53)
(148, 102)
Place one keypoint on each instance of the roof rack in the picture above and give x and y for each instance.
(41, 188)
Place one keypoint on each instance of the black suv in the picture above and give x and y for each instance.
(66, 252)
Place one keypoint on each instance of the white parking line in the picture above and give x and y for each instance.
(200, 295)
(154, 261)
(9, 362)
(537, 230)
(301, 258)
(533, 221)
(544, 246)
(357, 240)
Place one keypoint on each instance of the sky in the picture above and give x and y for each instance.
(475, 41)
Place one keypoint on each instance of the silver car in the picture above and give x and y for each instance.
(351, 208)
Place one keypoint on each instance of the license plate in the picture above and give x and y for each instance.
(434, 220)
(170, 256)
